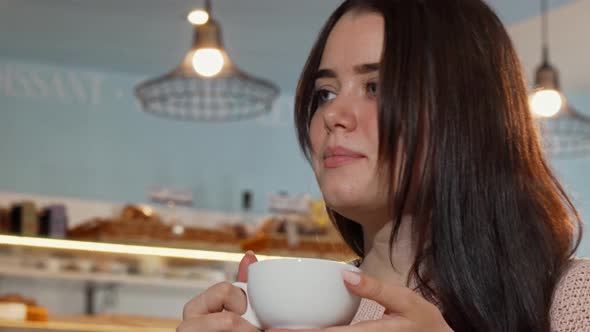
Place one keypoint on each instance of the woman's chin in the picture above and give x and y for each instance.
(356, 207)
(347, 207)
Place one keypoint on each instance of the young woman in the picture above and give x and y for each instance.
(414, 116)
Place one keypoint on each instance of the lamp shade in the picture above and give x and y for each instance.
(207, 85)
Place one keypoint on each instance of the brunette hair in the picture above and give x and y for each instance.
(493, 226)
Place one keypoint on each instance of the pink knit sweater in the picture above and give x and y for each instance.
(570, 311)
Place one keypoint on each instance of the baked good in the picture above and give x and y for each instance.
(305, 240)
(139, 212)
(17, 298)
(13, 311)
(15, 306)
(37, 314)
(156, 233)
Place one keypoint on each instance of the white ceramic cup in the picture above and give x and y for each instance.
(298, 293)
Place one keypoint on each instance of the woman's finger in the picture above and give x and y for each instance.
(219, 297)
(248, 259)
(395, 299)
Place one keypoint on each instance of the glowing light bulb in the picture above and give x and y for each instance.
(546, 103)
(208, 62)
(198, 17)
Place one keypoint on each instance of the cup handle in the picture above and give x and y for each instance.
(249, 315)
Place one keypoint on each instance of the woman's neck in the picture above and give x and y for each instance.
(377, 252)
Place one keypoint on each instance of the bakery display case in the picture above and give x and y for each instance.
(99, 323)
(100, 267)
(19, 314)
(138, 247)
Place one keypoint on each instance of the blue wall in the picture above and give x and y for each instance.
(71, 132)
(575, 173)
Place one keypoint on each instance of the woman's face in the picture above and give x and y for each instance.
(344, 129)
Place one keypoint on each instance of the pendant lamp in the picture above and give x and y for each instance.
(565, 132)
(207, 85)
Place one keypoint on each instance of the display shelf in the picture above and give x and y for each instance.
(36, 273)
(124, 249)
(71, 326)
(165, 250)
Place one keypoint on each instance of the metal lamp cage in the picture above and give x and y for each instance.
(184, 94)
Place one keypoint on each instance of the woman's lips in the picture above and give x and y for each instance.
(339, 156)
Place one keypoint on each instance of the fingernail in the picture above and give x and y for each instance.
(250, 252)
(352, 278)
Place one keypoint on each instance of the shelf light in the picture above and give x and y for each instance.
(127, 249)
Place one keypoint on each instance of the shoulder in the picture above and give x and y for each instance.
(570, 310)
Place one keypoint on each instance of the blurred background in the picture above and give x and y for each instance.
(81, 160)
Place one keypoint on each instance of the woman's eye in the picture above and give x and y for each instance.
(372, 89)
(325, 96)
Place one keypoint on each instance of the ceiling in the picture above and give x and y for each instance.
(569, 48)
(269, 38)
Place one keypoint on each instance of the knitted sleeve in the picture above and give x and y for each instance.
(570, 311)
(368, 310)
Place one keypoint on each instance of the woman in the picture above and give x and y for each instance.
(414, 116)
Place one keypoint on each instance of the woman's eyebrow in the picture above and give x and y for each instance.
(366, 68)
(358, 69)
(325, 73)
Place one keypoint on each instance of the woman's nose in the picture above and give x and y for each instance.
(339, 114)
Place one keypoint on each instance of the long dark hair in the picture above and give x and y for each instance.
(493, 227)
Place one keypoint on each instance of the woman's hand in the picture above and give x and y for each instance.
(220, 307)
(405, 311)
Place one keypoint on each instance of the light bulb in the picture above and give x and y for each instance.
(208, 62)
(546, 103)
(198, 17)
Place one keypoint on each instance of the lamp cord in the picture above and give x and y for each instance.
(208, 7)
(544, 31)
